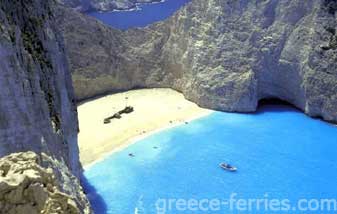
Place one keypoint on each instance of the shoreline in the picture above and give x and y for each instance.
(140, 137)
(155, 110)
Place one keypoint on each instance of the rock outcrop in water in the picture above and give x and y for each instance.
(37, 105)
(225, 55)
(35, 184)
(104, 5)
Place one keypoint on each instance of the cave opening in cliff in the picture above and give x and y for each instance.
(274, 101)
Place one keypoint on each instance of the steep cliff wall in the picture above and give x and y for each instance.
(37, 105)
(224, 55)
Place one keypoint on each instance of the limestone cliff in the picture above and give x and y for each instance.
(38, 184)
(225, 55)
(104, 5)
(37, 105)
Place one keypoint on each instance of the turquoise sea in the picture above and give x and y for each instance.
(281, 154)
(145, 15)
(286, 161)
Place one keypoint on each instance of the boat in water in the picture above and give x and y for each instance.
(228, 167)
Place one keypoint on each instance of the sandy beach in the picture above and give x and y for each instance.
(154, 109)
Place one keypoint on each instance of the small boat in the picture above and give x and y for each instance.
(228, 167)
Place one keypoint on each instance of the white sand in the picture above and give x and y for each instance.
(155, 109)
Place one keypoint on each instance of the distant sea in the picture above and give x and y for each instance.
(281, 154)
(145, 14)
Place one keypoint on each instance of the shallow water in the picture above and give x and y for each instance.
(147, 14)
(278, 151)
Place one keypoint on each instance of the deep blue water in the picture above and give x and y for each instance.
(147, 14)
(278, 151)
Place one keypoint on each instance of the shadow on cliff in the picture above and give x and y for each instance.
(98, 204)
(279, 106)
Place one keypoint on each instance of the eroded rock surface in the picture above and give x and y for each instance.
(38, 184)
(37, 113)
(225, 55)
(37, 104)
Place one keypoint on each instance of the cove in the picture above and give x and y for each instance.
(145, 14)
(280, 154)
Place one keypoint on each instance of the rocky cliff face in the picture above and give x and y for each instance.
(37, 104)
(38, 184)
(104, 5)
(225, 55)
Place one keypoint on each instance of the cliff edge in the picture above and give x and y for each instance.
(34, 184)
